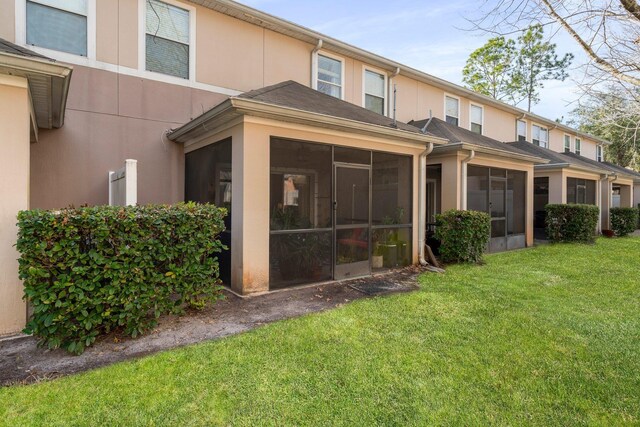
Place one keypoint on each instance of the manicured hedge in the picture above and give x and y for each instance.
(572, 223)
(89, 271)
(624, 220)
(463, 235)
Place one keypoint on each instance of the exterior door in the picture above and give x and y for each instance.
(352, 219)
(498, 211)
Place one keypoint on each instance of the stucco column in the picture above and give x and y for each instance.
(250, 210)
(605, 190)
(529, 207)
(14, 193)
(451, 174)
(626, 196)
(557, 188)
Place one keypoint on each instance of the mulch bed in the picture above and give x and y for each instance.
(22, 362)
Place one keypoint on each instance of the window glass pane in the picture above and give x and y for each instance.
(497, 198)
(567, 143)
(329, 70)
(478, 189)
(374, 104)
(352, 155)
(516, 202)
(297, 258)
(167, 21)
(452, 107)
(329, 89)
(544, 137)
(392, 189)
(578, 146)
(167, 57)
(535, 130)
(300, 188)
(452, 120)
(75, 6)
(208, 180)
(352, 197)
(391, 248)
(300, 199)
(374, 83)
(522, 130)
(56, 29)
(476, 128)
(476, 114)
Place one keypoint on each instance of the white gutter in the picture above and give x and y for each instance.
(314, 64)
(422, 203)
(463, 183)
(390, 90)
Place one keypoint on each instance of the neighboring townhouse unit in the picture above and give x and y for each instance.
(303, 137)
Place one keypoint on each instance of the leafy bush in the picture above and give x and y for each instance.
(463, 235)
(624, 220)
(572, 223)
(90, 271)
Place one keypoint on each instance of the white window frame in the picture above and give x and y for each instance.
(578, 142)
(564, 146)
(366, 68)
(526, 130)
(599, 153)
(317, 69)
(541, 128)
(448, 95)
(21, 35)
(142, 42)
(471, 105)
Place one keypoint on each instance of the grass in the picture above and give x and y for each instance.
(548, 336)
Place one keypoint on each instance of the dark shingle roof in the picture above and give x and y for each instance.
(14, 49)
(291, 94)
(570, 159)
(621, 169)
(456, 134)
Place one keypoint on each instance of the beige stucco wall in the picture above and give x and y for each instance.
(636, 194)
(14, 191)
(111, 118)
(452, 178)
(7, 19)
(251, 176)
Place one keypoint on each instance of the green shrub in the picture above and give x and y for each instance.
(624, 220)
(90, 271)
(572, 223)
(463, 235)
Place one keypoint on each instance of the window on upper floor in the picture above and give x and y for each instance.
(329, 76)
(167, 39)
(540, 136)
(567, 143)
(578, 146)
(374, 91)
(452, 110)
(58, 24)
(476, 114)
(599, 156)
(521, 130)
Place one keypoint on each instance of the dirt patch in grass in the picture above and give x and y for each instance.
(21, 361)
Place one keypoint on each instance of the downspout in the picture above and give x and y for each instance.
(463, 196)
(390, 90)
(422, 203)
(314, 64)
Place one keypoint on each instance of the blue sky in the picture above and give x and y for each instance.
(427, 35)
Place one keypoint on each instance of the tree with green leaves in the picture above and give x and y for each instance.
(613, 113)
(537, 62)
(515, 70)
(490, 70)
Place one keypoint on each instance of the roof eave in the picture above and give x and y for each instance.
(265, 20)
(59, 74)
(458, 146)
(266, 110)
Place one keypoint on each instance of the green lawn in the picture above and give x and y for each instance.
(549, 336)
